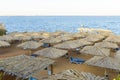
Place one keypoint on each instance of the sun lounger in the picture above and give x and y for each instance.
(34, 55)
(116, 49)
(76, 60)
(33, 78)
(46, 45)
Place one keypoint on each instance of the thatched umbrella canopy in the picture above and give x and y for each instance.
(96, 31)
(67, 45)
(51, 52)
(65, 38)
(82, 42)
(105, 62)
(74, 75)
(4, 44)
(30, 45)
(6, 38)
(113, 38)
(24, 66)
(117, 55)
(79, 35)
(57, 33)
(93, 50)
(94, 37)
(105, 44)
(37, 35)
(21, 37)
(51, 40)
(104, 32)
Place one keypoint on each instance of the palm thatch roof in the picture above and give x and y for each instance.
(30, 45)
(104, 32)
(79, 35)
(106, 44)
(51, 40)
(6, 38)
(21, 36)
(64, 37)
(57, 33)
(96, 31)
(4, 44)
(94, 37)
(74, 75)
(93, 50)
(67, 45)
(113, 38)
(23, 66)
(51, 52)
(117, 55)
(39, 35)
(82, 42)
(105, 62)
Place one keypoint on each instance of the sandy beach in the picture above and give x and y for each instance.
(60, 64)
(85, 42)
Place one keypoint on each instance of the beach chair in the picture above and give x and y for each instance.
(34, 55)
(46, 45)
(116, 49)
(32, 78)
(76, 60)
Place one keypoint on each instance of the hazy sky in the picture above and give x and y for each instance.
(59, 7)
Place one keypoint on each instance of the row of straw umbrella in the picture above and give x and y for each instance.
(74, 75)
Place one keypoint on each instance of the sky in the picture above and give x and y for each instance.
(60, 7)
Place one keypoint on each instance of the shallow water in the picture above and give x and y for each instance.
(54, 23)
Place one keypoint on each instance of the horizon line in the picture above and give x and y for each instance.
(59, 15)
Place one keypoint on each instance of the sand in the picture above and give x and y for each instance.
(60, 64)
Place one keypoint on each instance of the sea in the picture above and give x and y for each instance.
(59, 23)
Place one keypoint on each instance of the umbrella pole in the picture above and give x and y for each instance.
(29, 52)
(106, 75)
(50, 69)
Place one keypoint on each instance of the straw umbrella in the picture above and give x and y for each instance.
(21, 37)
(79, 35)
(94, 37)
(51, 52)
(105, 62)
(4, 44)
(7, 38)
(24, 66)
(67, 45)
(96, 31)
(74, 75)
(37, 35)
(57, 33)
(105, 44)
(82, 42)
(51, 40)
(30, 45)
(113, 38)
(117, 55)
(93, 50)
(65, 38)
(104, 32)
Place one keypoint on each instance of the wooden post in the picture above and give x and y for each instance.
(50, 69)
(29, 52)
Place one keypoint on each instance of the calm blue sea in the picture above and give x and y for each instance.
(53, 23)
